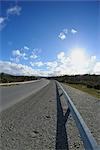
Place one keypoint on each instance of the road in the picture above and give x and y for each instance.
(37, 122)
(10, 95)
(31, 123)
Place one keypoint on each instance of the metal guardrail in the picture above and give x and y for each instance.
(86, 136)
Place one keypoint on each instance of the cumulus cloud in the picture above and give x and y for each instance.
(96, 69)
(26, 48)
(61, 55)
(2, 22)
(2, 19)
(73, 31)
(38, 64)
(17, 69)
(37, 50)
(17, 55)
(65, 31)
(14, 59)
(33, 55)
(51, 64)
(62, 36)
(23, 53)
(77, 61)
(20, 69)
(15, 10)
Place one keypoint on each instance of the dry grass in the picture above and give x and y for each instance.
(84, 88)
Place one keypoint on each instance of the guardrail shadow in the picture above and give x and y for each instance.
(61, 134)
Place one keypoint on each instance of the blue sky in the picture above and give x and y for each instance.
(50, 38)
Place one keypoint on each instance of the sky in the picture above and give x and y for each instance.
(49, 38)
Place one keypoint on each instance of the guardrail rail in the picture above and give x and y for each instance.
(86, 136)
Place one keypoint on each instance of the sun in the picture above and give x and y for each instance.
(78, 56)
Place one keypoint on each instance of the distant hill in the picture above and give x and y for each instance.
(91, 81)
(7, 78)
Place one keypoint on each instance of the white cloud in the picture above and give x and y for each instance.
(26, 48)
(33, 55)
(38, 64)
(73, 31)
(17, 69)
(65, 31)
(15, 59)
(2, 19)
(51, 64)
(37, 50)
(61, 55)
(78, 62)
(96, 69)
(17, 55)
(20, 54)
(75, 62)
(14, 10)
(62, 36)
(2, 22)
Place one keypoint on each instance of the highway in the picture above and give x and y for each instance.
(31, 123)
(10, 95)
(35, 117)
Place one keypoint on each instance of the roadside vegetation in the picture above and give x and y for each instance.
(84, 88)
(87, 83)
(6, 78)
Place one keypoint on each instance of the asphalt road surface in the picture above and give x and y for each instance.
(10, 95)
(38, 121)
(31, 123)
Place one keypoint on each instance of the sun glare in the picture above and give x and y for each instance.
(78, 56)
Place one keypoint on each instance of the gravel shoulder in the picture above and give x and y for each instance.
(89, 108)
